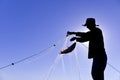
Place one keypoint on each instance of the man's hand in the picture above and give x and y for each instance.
(70, 33)
(72, 39)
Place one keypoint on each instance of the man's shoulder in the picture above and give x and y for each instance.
(98, 29)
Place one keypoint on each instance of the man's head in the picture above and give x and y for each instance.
(90, 23)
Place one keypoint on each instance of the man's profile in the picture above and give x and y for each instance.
(96, 50)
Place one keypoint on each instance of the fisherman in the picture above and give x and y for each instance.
(96, 47)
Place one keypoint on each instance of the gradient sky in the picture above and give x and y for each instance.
(29, 26)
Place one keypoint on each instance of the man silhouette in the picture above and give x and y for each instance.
(96, 47)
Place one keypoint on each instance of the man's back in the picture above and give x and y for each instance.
(96, 43)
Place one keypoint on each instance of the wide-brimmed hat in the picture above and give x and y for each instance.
(90, 21)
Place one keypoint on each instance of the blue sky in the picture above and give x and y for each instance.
(29, 26)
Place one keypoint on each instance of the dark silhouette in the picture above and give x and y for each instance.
(96, 47)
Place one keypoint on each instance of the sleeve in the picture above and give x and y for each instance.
(83, 37)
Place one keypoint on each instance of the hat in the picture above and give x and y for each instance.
(90, 21)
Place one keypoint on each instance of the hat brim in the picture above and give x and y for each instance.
(87, 25)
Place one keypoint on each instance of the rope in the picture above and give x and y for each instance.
(31, 56)
(63, 68)
(26, 58)
(113, 68)
(77, 62)
(52, 67)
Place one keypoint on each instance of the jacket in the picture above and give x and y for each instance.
(96, 42)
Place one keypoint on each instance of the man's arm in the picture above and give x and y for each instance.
(80, 34)
(70, 33)
(79, 39)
